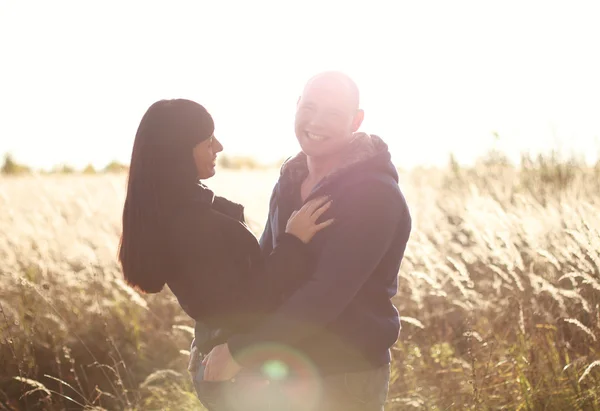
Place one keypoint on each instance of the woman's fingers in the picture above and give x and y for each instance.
(319, 211)
(324, 224)
(312, 205)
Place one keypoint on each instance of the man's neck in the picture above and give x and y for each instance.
(320, 167)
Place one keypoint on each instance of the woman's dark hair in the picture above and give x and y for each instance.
(162, 179)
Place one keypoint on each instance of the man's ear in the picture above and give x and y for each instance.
(358, 119)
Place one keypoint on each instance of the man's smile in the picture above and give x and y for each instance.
(316, 137)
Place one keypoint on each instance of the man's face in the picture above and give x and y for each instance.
(326, 117)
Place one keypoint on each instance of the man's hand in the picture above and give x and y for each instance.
(220, 365)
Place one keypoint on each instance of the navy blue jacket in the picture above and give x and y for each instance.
(342, 319)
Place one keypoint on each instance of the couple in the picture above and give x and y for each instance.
(302, 320)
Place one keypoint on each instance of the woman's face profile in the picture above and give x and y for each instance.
(205, 157)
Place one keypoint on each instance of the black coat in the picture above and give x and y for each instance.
(219, 274)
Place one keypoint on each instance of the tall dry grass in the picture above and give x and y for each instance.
(499, 295)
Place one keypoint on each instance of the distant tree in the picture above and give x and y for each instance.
(279, 162)
(225, 161)
(89, 169)
(494, 157)
(11, 167)
(63, 169)
(238, 162)
(115, 167)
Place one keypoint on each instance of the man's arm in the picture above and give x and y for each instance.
(364, 229)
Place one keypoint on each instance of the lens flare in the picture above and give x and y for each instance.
(278, 376)
(275, 370)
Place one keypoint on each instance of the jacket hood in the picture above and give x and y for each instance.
(365, 153)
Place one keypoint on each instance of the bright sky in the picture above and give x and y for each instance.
(435, 77)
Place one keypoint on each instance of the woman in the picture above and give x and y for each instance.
(177, 232)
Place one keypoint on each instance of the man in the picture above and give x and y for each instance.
(339, 327)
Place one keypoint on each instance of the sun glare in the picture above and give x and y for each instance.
(435, 77)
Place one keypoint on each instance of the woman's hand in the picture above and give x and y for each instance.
(220, 365)
(303, 223)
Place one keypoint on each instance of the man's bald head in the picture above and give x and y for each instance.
(336, 80)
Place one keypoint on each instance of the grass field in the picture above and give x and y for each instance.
(499, 295)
